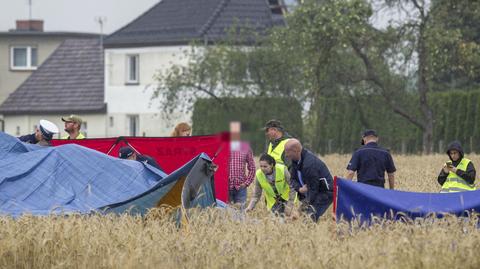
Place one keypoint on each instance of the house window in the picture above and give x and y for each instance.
(133, 125)
(132, 69)
(23, 58)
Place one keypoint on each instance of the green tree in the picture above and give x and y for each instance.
(327, 48)
(457, 44)
(422, 40)
(237, 67)
(305, 59)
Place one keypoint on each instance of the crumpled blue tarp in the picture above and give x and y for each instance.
(69, 178)
(362, 202)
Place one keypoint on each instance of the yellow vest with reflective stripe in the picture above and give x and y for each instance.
(454, 183)
(79, 136)
(278, 151)
(283, 189)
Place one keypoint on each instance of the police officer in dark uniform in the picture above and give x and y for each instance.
(371, 161)
(43, 134)
(129, 154)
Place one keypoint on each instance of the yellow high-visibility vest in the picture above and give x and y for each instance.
(283, 189)
(79, 136)
(454, 183)
(278, 151)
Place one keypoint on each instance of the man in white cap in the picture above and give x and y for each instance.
(43, 134)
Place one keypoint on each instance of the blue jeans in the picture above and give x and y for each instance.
(238, 196)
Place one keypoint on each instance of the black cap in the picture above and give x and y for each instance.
(274, 124)
(369, 132)
(125, 152)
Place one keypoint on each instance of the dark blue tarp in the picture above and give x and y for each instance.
(356, 201)
(71, 178)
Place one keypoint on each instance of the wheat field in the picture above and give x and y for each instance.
(226, 239)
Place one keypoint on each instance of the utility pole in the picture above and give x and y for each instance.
(29, 10)
(101, 20)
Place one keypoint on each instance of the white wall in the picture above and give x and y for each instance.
(26, 124)
(124, 99)
(10, 80)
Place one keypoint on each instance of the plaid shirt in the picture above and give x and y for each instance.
(239, 160)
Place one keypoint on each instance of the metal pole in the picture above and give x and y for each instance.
(30, 10)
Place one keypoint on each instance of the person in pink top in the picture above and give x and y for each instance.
(241, 167)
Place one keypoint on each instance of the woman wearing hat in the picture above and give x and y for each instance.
(458, 174)
(43, 134)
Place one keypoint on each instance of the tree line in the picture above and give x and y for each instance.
(330, 52)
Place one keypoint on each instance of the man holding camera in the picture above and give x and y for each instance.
(458, 174)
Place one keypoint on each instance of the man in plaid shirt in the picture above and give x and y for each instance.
(241, 161)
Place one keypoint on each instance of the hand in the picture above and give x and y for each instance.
(303, 189)
(243, 185)
(445, 169)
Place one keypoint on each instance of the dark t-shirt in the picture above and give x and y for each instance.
(370, 162)
(29, 139)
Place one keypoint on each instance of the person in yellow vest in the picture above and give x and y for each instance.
(274, 181)
(277, 137)
(73, 123)
(458, 174)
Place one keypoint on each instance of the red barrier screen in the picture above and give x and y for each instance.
(170, 152)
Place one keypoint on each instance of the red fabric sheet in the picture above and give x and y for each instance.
(171, 152)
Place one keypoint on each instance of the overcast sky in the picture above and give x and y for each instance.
(73, 15)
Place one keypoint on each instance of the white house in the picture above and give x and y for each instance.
(111, 89)
(70, 81)
(22, 50)
(156, 40)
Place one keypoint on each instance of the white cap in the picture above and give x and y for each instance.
(48, 128)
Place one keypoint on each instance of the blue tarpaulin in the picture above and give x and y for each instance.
(71, 178)
(357, 201)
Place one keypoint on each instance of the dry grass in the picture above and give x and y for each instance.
(219, 239)
(414, 172)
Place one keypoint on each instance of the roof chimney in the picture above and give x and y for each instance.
(29, 25)
(277, 7)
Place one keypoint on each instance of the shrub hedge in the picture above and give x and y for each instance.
(335, 125)
(211, 116)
